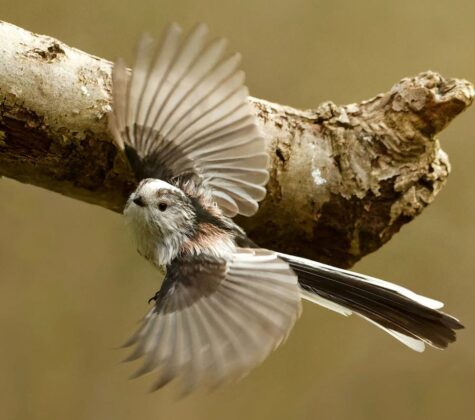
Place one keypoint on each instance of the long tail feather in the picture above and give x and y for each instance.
(412, 319)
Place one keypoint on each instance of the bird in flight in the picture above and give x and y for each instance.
(183, 119)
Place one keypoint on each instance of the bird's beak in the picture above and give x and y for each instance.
(138, 200)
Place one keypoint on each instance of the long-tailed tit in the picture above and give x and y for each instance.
(186, 127)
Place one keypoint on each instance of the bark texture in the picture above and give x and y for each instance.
(344, 179)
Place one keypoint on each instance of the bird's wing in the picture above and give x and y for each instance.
(184, 111)
(215, 319)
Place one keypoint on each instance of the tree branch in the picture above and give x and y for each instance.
(344, 179)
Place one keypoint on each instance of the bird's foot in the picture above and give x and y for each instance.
(154, 298)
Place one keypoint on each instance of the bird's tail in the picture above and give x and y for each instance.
(412, 319)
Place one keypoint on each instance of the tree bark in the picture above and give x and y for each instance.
(344, 179)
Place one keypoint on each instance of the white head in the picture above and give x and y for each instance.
(162, 217)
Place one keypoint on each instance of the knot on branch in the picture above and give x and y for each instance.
(48, 53)
(423, 104)
(432, 100)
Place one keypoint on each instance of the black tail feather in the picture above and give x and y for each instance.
(391, 307)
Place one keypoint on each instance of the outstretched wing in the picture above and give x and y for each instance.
(184, 111)
(214, 320)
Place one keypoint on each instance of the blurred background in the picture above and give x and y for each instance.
(72, 285)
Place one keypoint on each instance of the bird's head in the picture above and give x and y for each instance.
(160, 215)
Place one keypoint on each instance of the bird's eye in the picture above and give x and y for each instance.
(162, 206)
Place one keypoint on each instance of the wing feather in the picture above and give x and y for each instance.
(184, 111)
(208, 85)
(138, 81)
(216, 319)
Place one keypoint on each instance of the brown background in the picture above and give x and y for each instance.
(72, 285)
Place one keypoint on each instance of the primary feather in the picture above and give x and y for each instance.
(216, 319)
(184, 111)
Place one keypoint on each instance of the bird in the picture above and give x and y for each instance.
(182, 119)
